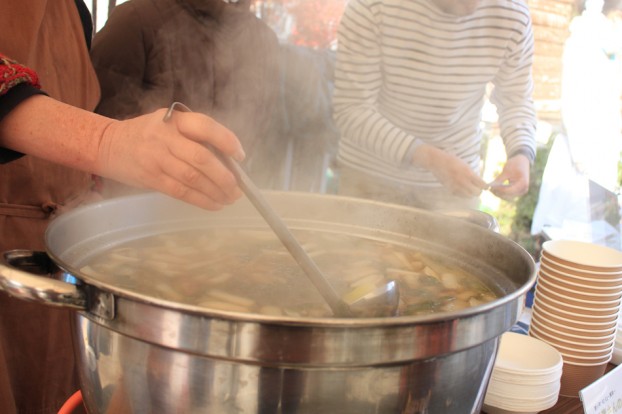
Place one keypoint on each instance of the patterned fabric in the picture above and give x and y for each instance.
(12, 73)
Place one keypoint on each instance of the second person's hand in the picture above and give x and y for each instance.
(513, 180)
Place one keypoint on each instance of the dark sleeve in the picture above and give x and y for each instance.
(17, 83)
(87, 21)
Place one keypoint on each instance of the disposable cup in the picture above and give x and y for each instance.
(556, 341)
(586, 313)
(542, 289)
(556, 344)
(576, 377)
(578, 353)
(576, 294)
(523, 404)
(583, 255)
(587, 354)
(571, 322)
(525, 391)
(524, 355)
(600, 278)
(511, 399)
(511, 377)
(572, 359)
(550, 333)
(582, 286)
(569, 330)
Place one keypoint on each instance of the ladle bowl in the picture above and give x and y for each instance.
(382, 300)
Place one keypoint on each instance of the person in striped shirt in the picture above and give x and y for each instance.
(411, 79)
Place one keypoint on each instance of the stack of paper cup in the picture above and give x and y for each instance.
(576, 308)
(525, 378)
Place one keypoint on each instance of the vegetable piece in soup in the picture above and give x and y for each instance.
(249, 270)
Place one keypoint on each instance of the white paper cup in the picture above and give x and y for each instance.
(559, 295)
(525, 391)
(585, 286)
(603, 277)
(548, 332)
(577, 295)
(525, 355)
(572, 322)
(587, 361)
(583, 256)
(582, 309)
(570, 330)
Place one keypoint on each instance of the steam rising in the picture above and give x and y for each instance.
(219, 59)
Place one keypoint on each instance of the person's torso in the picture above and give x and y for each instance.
(435, 69)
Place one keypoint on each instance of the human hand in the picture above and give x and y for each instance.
(513, 180)
(170, 157)
(451, 171)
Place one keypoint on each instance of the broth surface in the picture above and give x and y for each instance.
(249, 270)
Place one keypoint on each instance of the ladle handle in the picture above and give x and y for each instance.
(339, 307)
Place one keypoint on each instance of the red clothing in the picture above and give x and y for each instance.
(12, 74)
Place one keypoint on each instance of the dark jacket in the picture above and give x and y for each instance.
(216, 58)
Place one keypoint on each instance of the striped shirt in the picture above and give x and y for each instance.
(408, 73)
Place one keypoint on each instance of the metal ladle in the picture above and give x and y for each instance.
(381, 301)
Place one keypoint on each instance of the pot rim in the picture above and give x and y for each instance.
(149, 197)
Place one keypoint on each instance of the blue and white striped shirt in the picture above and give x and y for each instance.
(409, 73)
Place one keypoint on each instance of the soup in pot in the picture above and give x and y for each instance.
(249, 270)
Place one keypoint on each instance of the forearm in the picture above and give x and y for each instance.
(517, 120)
(46, 128)
(426, 156)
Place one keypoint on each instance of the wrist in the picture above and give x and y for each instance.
(528, 153)
(425, 156)
(104, 136)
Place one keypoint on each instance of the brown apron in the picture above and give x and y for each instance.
(37, 368)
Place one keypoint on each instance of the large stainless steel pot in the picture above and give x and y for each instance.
(139, 354)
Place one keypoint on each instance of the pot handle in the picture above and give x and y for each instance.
(24, 274)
